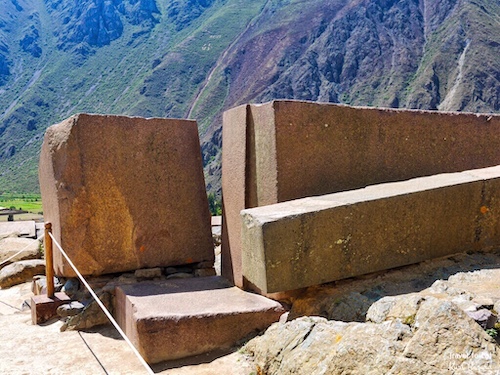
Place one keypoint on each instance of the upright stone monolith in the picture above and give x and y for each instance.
(285, 150)
(125, 193)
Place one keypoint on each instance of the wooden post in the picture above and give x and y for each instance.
(44, 306)
(49, 263)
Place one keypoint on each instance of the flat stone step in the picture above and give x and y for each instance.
(175, 319)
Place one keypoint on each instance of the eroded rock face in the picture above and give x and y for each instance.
(418, 323)
(89, 315)
(463, 278)
(437, 338)
(99, 22)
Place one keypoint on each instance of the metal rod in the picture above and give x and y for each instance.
(49, 263)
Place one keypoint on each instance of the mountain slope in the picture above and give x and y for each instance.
(378, 53)
(196, 58)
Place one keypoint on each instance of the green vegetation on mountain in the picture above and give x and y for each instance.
(197, 58)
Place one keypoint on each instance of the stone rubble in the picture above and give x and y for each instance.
(436, 338)
(70, 309)
(71, 287)
(148, 273)
(88, 314)
(413, 325)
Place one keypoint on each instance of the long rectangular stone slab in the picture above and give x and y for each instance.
(124, 193)
(180, 318)
(284, 150)
(315, 240)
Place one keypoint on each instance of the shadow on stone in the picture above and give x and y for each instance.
(348, 300)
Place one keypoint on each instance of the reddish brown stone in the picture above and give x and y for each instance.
(286, 150)
(43, 307)
(234, 171)
(181, 318)
(125, 193)
(315, 240)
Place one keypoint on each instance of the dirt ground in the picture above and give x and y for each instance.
(31, 349)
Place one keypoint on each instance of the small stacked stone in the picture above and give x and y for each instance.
(84, 313)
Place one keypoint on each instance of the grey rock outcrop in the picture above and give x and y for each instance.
(97, 23)
(4, 66)
(436, 338)
(182, 13)
(20, 272)
(29, 43)
(91, 315)
(417, 323)
(30, 249)
(448, 277)
(70, 309)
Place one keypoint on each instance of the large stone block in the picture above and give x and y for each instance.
(315, 240)
(285, 150)
(181, 318)
(125, 193)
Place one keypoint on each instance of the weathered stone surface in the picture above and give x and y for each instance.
(313, 345)
(30, 249)
(70, 309)
(25, 228)
(39, 285)
(485, 303)
(496, 307)
(125, 193)
(286, 150)
(204, 272)
(396, 307)
(181, 318)
(91, 315)
(148, 273)
(439, 339)
(466, 279)
(71, 287)
(20, 272)
(321, 239)
(446, 338)
(44, 308)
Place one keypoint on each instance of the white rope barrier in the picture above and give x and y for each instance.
(104, 309)
(19, 252)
